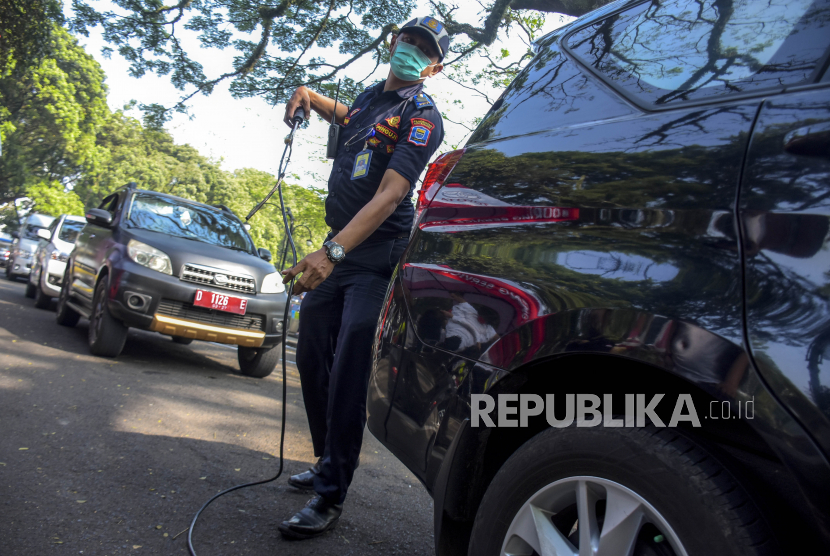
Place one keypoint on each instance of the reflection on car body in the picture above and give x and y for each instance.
(688, 143)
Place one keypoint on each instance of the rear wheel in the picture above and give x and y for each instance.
(66, 315)
(42, 301)
(30, 287)
(258, 362)
(616, 491)
(182, 340)
(107, 334)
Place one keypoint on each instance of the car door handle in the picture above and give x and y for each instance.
(812, 140)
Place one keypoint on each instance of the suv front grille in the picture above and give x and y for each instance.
(204, 275)
(171, 308)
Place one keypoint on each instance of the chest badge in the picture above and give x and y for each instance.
(374, 141)
(394, 121)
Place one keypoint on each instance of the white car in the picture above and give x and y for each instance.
(25, 244)
(49, 264)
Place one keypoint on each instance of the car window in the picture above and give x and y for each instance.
(70, 230)
(181, 219)
(667, 52)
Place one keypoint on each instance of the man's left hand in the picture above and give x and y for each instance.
(315, 268)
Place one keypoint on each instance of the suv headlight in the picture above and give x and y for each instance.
(272, 284)
(58, 255)
(150, 257)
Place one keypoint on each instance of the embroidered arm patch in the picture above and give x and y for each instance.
(419, 134)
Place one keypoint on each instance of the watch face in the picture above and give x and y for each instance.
(337, 252)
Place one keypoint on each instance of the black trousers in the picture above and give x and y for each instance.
(334, 353)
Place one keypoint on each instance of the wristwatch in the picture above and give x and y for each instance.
(334, 251)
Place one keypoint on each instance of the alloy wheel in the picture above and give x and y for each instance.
(589, 516)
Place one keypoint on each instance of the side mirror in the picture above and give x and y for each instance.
(43, 233)
(264, 254)
(15, 235)
(100, 217)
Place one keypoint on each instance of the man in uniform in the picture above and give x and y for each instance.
(387, 137)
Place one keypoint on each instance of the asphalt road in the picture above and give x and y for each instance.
(114, 456)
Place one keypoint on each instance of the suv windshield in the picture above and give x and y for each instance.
(70, 230)
(180, 219)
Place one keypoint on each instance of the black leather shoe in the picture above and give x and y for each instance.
(318, 516)
(305, 480)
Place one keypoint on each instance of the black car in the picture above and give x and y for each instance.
(188, 270)
(643, 215)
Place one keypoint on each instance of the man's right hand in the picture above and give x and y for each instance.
(300, 98)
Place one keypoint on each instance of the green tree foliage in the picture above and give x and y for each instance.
(49, 116)
(276, 41)
(25, 29)
(307, 205)
(52, 199)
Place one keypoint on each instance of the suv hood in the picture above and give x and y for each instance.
(183, 251)
(29, 245)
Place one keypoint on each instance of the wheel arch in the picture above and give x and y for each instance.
(478, 454)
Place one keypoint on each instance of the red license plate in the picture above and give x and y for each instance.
(220, 302)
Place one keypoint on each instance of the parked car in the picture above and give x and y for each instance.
(49, 265)
(643, 211)
(188, 270)
(5, 251)
(25, 244)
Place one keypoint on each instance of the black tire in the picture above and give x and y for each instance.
(107, 334)
(42, 301)
(30, 289)
(704, 505)
(182, 340)
(66, 315)
(258, 362)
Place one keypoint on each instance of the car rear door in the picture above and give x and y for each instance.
(785, 222)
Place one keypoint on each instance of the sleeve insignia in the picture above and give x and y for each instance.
(346, 120)
(432, 25)
(422, 122)
(374, 141)
(419, 135)
(422, 101)
(394, 121)
(380, 128)
(390, 149)
(353, 112)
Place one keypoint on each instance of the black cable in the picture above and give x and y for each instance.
(298, 119)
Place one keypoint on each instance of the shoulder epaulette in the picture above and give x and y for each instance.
(423, 101)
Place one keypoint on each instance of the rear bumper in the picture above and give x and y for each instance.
(167, 307)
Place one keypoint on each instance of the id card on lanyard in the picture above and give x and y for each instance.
(363, 160)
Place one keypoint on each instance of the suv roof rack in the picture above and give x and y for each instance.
(224, 208)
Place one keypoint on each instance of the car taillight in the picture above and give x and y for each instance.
(436, 174)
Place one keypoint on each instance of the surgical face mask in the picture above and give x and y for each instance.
(408, 62)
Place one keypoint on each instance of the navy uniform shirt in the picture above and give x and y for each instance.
(408, 131)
